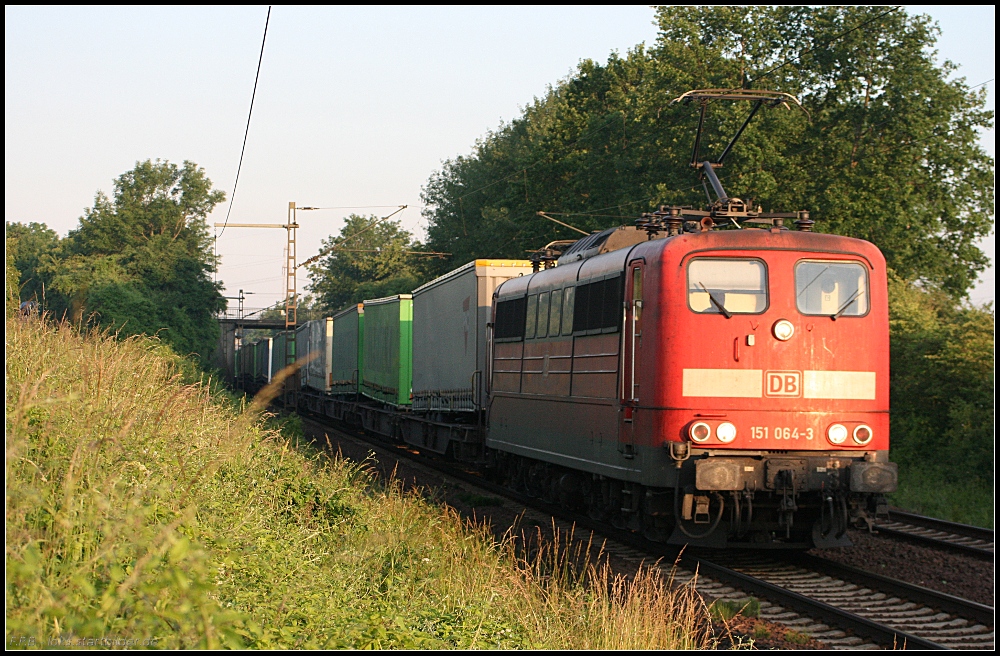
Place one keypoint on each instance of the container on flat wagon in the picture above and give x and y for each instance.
(388, 350)
(450, 315)
(263, 360)
(280, 357)
(314, 343)
(244, 362)
(347, 361)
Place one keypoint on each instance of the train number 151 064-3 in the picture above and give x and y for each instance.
(779, 433)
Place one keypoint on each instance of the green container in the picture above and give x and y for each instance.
(387, 375)
(348, 350)
(279, 358)
(263, 351)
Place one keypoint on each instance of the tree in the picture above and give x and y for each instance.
(33, 248)
(369, 259)
(888, 151)
(12, 279)
(139, 262)
(942, 363)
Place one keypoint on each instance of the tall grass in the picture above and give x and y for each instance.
(141, 507)
(925, 490)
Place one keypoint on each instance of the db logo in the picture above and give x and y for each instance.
(783, 383)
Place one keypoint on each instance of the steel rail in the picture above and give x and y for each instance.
(932, 617)
(803, 604)
(949, 603)
(968, 539)
(814, 608)
(944, 525)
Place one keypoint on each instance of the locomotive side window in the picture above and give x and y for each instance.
(555, 313)
(580, 309)
(531, 317)
(543, 315)
(567, 314)
(598, 305)
(738, 286)
(611, 308)
(637, 292)
(835, 289)
(510, 319)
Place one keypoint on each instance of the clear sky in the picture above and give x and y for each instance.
(356, 106)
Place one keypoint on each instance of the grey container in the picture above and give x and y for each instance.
(348, 343)
(314, 344)
(450, 315)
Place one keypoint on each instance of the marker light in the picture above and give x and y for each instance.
(700, 431)
(726, 432)
(783, 330)
(863, 435)
(836, 433)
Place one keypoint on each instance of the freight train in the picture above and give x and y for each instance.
(709, 377)
(715, 387)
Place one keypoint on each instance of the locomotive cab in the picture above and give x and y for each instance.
(764, 355)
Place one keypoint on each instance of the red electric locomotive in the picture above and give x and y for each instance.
(703, 385)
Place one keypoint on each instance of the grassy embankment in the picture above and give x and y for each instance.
(925, 491)
(141, 507)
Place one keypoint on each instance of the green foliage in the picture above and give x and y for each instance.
(139, 262)
(942, 364)
(36, 246)
(367, 260)
(479, 500)
(926, 489)
(943, 382)
(888, 152)
(12, 278)
(726, 610)
(141, 507)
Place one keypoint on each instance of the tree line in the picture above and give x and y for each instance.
(139, 262)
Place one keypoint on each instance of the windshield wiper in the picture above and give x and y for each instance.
(846, 305)
(726, 313)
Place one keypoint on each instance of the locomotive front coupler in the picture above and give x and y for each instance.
(679, 452)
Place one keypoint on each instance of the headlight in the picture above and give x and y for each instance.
(836, 433)
(783, 330)
(726, 432)
(700, 431)
(863, 434)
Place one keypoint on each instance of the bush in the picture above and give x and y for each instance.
(942, 403)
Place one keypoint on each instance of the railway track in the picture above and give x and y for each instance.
(921, 618)
(938, 532)
(842, 607)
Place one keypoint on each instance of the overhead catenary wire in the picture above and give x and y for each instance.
(522, 171)
(349, 207)
(796, 153)
(826, 43)
(371, 225)
(788, 61)
(246, 134)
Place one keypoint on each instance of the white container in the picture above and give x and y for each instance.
(450, 314)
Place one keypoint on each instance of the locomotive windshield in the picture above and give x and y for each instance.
(727, 286)
(834, 289)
